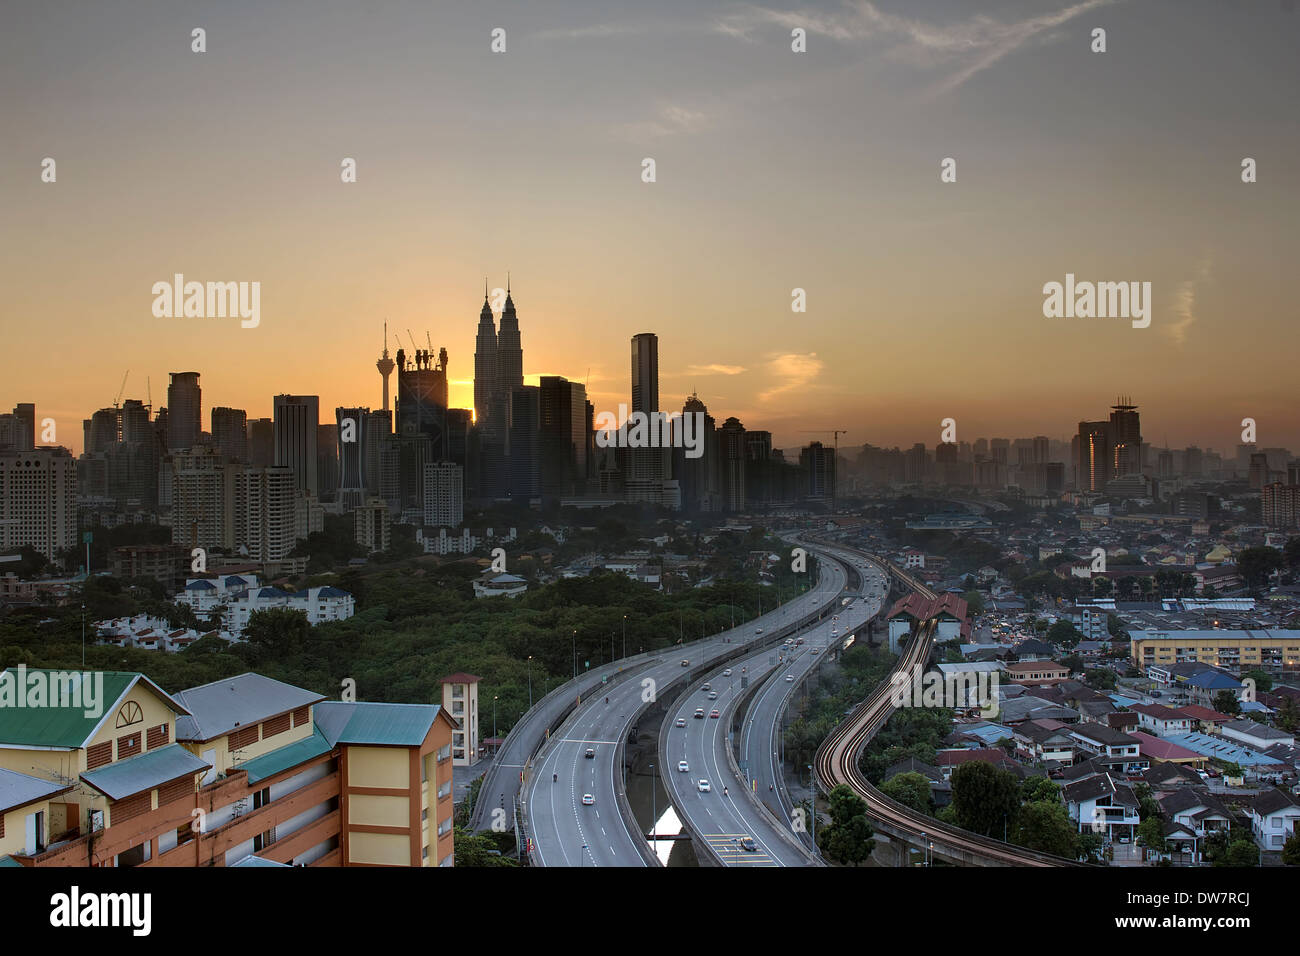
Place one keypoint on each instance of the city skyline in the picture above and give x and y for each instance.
(753, 199)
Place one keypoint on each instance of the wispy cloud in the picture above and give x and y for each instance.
(717, 369)
(795, 370)
(1184, 306)
(963, 48)
(670, 120)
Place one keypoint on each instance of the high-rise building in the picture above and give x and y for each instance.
(38, 500)
(698, 477)
(371, 527)
(731, 453)
(510, 350)
(1125, 439)
(327, 460)
(444, 494)
(1279, 505)
(351, 426)
(203, 499)
(184, 411)
(485, 363)
(562, 437)
(819, 463)
(266, 500)
(647, 468)
(261, 442)
(422, 397)
(523, 461)
(1093, 468)
(230, 433)
(296, 421)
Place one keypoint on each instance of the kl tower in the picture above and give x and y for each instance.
(385, 365)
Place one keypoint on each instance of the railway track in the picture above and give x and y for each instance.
(837, 762)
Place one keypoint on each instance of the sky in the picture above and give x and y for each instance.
(775, 170)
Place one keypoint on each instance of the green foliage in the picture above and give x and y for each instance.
(1045, 826)
(1291, 850)
(1240, 852)
(483, 849)
(909, 789)
(1263, 681)
(1256, 564)
(1036, 788)
(1064, 633)
(974, 602)
(985, 798)
(1225, 702)
(1151, 834)
(1100, 678)
(849, 838)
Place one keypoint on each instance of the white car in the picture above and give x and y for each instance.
(588, 800)
(789, 678)
(703, 785)
(727, 672)
(713, 695)
(683, 767)
(681, 721)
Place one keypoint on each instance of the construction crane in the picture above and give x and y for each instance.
(117, 402)
(837, 432)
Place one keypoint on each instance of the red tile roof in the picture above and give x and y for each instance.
(922, 609)
(460, 677)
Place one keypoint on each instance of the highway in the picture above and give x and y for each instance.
(760, 810)
(567, 832)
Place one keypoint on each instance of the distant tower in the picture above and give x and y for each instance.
(485, 361)
(385, 366)
(510, 352)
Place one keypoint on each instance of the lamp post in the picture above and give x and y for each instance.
(494, 718)
(625, 635)
(530, 681)
(575, 654)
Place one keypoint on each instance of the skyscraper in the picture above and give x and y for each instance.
(510, 350)
(485, 363)
(647, 467)
(184, 410)
(38, 500)
(563, 438)
(296, 418)
(1125, 439)
(230, 433)
(731, 451)
(1093, 464)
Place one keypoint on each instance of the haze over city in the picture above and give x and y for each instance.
(774, 172)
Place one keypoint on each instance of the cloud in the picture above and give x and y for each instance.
(962, 48)
(718, 369)
(795, 370)
(670, 120)
(1184, 307)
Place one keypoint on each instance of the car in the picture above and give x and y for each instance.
(703, 785)
(727, 672)
(713, 695)
(816, 651)
(683, 767)
(707, 686)
(590, 753)
(685, 662)
(798, 642)
(748, 844)
(588, 800)
(758, 630)
(789, 678)
(681, 721)
(699, 713)
(715, 715)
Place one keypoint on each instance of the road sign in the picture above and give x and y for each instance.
(87, 537)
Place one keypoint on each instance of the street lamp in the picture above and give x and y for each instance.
(625, 635)
(494, 719)
(530, 681)
(575, 653)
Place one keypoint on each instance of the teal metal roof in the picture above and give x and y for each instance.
(260, 861)
(8, 860)
(283, 758)
(394, 725)
(19, 789)
(149, 770)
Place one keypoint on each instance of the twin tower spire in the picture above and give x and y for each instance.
(498, 356)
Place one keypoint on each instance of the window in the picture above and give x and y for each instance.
(261, 798)
(157, 736)
(444, 827)
(128, 746)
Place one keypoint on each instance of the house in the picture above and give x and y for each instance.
(909, 612)
(1033, 649)
(949, 760)
(1273, 816)
(1255, 735)
(1103, 805)
(1042, 740)
(1159, 749)
(1204, 719)
(1119, 749)
(1161, 720)
(940, 788)
(499, 584)
(1037, 673)
(1191, 815)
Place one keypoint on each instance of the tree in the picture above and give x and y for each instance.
(1263, 682)
(849, 838)
(1241, 852)
(1064, 633)
(1044, 825)
(1035, 789)
(974, 603)
(1288, 714)
(1100, 678)
(1256, 564)
(1225, 702)
(474, 849)
(1291, 849)
(909, 789)
(1151, 834)
(985, 798)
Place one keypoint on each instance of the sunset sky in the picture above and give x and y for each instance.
(776, 170)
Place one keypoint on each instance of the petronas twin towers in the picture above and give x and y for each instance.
(498, 362)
